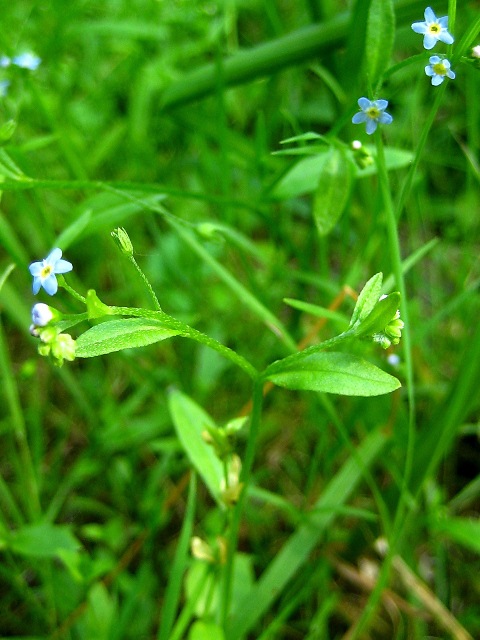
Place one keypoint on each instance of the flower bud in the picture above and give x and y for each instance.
(122, 241)
(41, 314)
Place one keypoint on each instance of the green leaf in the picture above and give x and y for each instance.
(190, 421)
(394, 159)
(301, 178)
(367, 298)
(318, 312)
(334, 372)
(382, 314)
(8, 168)
(380, 37)
(333, 190)
(464, 531)
(115, 335)
(43, 540)
(205, 631)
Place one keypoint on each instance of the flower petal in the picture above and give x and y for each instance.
(451, 74)
(445, 37)
(63, 266)
(35, 268)
(436, 80)
(429, 15)
(434, 59)
(37, 283)
(364, 103)
(381, 104)
(419, 27)
(50, 285)
(385, 118)
(429, 71)
(429, 41)
(359, 117)
(443, 22)
(53, 256)
(371, 126)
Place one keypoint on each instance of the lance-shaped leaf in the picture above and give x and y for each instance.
(190, 422)
(367, 299)
(333, 372)
(125, 333)
(380, 37)
(333, 190)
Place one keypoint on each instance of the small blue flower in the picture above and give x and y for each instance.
(433, 29)
(4, 62)
(372, 112)
(41, 314)
(438, 69)
(44, 272)
(4, 84)
(27, 61)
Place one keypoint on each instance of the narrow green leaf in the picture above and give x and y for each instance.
(115, 335)
(380, 316)
(302, 178)
(43, 540)
(296, 551)
(205, 631)
(333, 190)
(190, 421)
(463, 531)
(380, 37)
(367, 298)
(333, 372)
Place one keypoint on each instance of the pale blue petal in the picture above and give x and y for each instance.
(381, 104)
(50, 285)
(443, 22)
(445, 37)
(63, 266)
(429, 71)
(364, 103)
(385, 118)
(451, 74)
(429, 41)
(436, 80)
(53, 256)
(371, 126)
(429, 15)
(434, 59)
(35, 268)
(359, 117)
(419, 27)
(37, 283)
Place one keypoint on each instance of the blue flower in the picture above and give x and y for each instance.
(372, 112)
(4, 62)
(433, 29)
(4, 84)
(41, 314)
(27, 61)
(438, 69)
(44, 272)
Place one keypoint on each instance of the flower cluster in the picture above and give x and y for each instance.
(59, 346)
(433, 29)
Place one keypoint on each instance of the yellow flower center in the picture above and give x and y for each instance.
(46, 271)
(434, 28)
(373, 112)
(439, 68)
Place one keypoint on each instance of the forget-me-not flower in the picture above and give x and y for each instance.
(4, 62)
(27, 61)
(372, 112)
(438, 69)
(44, 272)
(433, 29)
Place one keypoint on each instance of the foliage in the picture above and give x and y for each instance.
(256, 413)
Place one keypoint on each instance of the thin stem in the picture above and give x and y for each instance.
(62, 283)
(255, 419)
(147, 284)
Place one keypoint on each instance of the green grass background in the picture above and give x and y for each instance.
(152, 111)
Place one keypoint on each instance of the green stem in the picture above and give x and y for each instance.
(147, 284)
(255, 419)
(62, 283)
(188, 332)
